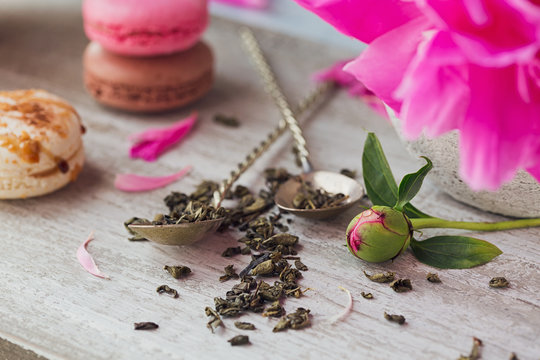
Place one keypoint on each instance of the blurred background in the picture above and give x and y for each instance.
(283, 16)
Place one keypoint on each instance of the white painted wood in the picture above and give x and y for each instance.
(50, 305)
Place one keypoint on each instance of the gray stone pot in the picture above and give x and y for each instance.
(519, 198)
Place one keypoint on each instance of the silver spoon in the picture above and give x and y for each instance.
(189, 233)
(328, 181)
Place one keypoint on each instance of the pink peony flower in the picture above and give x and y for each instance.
(470, 65)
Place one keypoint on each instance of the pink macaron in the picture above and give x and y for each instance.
(145, 27)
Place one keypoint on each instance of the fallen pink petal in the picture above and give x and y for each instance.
(138, 183)
(86, 260)
(153, 142)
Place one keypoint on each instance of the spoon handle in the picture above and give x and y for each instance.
(302, 106)
(272, 87)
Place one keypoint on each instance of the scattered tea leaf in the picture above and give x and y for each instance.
(498, 282)
(231, 251)
(229, 274)
(401, 285)
(513, 356)
(177, 271)
(297, 320)
(454, 252)
(274, 310)
(300, 265)
(148, 325)
(265, 268)
(166, 289)
(432, 277)
(381, 277)
(225, 120)
(244, 325)
(239, 340)
(349, 173)
(309, 197)
(367, 295)
(400, 319)
(475, 351)
(215, 320)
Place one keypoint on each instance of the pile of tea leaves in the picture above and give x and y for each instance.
(308, 197)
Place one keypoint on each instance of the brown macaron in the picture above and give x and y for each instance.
(148, 84)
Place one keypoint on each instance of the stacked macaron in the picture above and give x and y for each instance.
(146, 55)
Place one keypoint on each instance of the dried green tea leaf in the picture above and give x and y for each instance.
(401, 285)
(513, 356)
(297, 320)
(177, 271)
(432, 277)
(239, 340)
(367, 295)
(166, 289)
(309, 197)
(381, 277)
(148, 325)
(215, 319)
(300, 265)
(265, 268)
(136, 221)
(400, 319)
(229, 274)
(349, 173)
(244, 325)
(498, 282)
(275, 310)
(475, 351)
(229, 121)
(231, 251)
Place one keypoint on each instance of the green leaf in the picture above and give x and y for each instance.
(381, 186)
(411, 184)
(454, 252)
(413, 212)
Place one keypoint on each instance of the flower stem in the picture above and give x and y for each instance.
(423, 223)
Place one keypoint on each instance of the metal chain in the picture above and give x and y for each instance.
(272, 87)
(302, 107)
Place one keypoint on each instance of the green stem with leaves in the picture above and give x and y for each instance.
(424, 223)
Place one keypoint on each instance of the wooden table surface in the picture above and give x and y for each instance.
(51, 306)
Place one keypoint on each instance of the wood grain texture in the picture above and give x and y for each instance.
(53, 307)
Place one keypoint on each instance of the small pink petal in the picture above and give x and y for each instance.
(151, 143)
(366, 19)
(136, 183)
(253, 4)
(86, 260)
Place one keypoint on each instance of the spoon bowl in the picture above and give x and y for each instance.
(177, 234)
(329, 181)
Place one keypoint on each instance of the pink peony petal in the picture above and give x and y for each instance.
(337, 75)
(490, 32)
(151, 143)
(382, 65)
(135, 183)
(253, 4)
(86, 260)
(501, 131)
(434, 89)
(366, 19)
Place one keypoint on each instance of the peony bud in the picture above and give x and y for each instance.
(379, 234)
